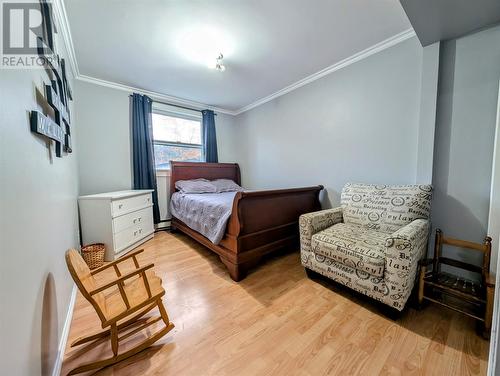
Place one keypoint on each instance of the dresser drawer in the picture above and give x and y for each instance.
(126, 205)
(132, 219)
(133, 234)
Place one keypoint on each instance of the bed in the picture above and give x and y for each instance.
(259, 221)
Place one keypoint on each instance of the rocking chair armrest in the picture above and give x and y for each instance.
(118, 281)
(116, 262)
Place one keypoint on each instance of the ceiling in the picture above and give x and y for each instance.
(435, 20)
(158, 45)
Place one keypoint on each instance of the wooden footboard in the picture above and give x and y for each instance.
(264, 221)
(261, 221)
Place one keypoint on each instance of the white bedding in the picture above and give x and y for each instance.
(206, 213)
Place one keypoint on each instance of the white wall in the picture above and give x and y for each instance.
(360, 123)
(38, 223)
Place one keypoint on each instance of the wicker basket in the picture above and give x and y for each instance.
(93, 254)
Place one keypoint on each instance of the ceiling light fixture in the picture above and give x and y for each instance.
(218, 63)
(204, 44)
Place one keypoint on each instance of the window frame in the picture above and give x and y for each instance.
(184, 116)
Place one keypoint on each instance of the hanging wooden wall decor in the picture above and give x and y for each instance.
(57, 92)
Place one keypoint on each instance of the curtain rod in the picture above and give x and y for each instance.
(176, 105)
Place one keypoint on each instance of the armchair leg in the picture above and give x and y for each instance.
(311, 274)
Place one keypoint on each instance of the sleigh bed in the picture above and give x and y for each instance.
(259, 222)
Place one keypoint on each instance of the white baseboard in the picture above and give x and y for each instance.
(65, 333)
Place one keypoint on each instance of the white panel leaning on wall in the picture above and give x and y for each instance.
(163, 184)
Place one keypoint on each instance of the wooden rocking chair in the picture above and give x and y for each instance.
(129, 298)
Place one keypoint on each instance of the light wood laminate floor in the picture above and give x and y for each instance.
(279, 322)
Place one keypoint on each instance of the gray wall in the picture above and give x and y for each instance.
(360, 123)
(465, 129)
(427, 118)
(104, 162)
(104, 138)
(38, 223)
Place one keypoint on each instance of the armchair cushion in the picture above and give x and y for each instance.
(354, 246)
(385, 208)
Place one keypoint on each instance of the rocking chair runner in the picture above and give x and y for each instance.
(130, 297)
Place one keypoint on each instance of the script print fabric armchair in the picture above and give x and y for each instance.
(373, 242)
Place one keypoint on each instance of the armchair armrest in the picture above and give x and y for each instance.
(312, 223)
(404, 249)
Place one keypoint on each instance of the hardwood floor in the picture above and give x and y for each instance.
(279, 322)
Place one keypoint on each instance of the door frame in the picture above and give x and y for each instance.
(494, 232)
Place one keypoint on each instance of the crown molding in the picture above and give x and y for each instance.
(154, 95)
(398, 38)
(62, 18)
(61, 15)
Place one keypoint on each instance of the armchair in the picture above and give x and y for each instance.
(373, 242)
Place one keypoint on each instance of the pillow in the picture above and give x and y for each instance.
(195, 186)
(226, 185)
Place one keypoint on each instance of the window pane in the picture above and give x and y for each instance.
(174, 129)
(166, 153)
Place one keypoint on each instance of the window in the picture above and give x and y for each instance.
(176, 138)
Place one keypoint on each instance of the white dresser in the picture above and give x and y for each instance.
(121, 220)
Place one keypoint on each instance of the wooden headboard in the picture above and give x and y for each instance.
(196, 170)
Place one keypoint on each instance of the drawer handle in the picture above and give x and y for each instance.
(139, 219)
(135, 220)
(120, 206)
(148, 199)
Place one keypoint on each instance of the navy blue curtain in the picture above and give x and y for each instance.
(209, 136)
(142, 148)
